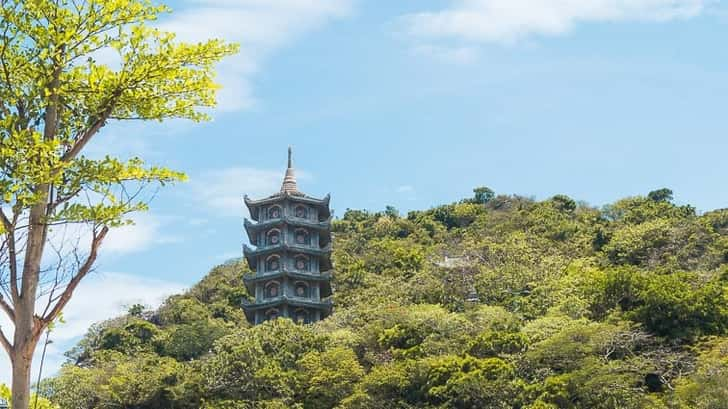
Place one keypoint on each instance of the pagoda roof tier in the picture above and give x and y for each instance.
(249, 307)
(325, 277)
(324, 227)
(324, 253)
(321, 204)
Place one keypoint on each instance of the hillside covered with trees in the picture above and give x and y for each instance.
(491, 302)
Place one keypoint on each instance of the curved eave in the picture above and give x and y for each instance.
(252, 207)
(312, 251)
(324, 305)
(249, 308)
(324, 227)
(321, 204)
(324, 254)
(250, 258)
(252, 227)
(324, 278)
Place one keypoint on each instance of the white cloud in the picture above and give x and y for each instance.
(223, 189)
(107, 295)
(143, 234)
(98, 297)
(261, 27)
(146, 232)
(505, 21)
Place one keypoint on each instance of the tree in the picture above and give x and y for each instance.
(142, 380)
(328, 377)
(391, 212)
(564, 203)
(483, 194)
(660, 195)
(467, 382)
(55, 97)
(707, 388)
(559, 325)
(42, 402)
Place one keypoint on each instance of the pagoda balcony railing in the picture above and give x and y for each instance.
(296, 198)
(253, 230)
(324, 253)
(287, 247)
(293, 220)
(302, 301)
(324, 278)
(308, 274)
(254, 205)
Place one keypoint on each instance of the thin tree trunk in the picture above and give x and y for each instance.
(21, 382)
(22, 358)
(27, 330)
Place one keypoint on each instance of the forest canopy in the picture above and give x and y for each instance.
(495, 301)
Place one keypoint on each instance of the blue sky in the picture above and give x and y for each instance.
(412, 103)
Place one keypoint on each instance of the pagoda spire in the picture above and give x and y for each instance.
(289, 181)
(291, 258)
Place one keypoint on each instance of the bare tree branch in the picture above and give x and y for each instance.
(5, 343)
(65, 297)
(12, 256)
(7, 308)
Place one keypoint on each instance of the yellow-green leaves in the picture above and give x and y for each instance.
(55, 97)
(157, 78)
(113, 189)
(59, 86)
(167, 79)
(43, 403)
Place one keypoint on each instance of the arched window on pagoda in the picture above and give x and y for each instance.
(301, 263)
(273, 237)
(272, 289)
(275, 212)
(302, 237)
(301, 316)
(271, 314)
(273, 263)
(301, 289)
(301, 212)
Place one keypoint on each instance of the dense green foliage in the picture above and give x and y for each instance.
(492, 302)
(37, 401)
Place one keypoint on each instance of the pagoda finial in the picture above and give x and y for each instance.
(289, 182)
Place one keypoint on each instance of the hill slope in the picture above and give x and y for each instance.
(492, 302)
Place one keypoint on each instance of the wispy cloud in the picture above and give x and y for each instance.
(146, 232)
(148, 140)
(508, 21)
(99, 297)
(222, 190)
(261, 27)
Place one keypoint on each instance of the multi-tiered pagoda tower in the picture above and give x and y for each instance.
(291, 262)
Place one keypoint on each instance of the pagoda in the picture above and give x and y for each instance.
(291, 260)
